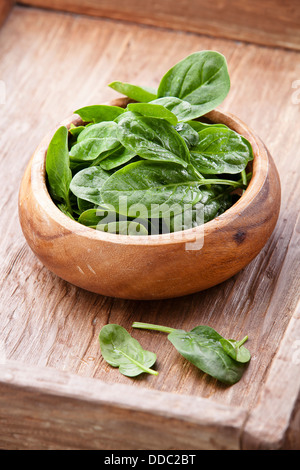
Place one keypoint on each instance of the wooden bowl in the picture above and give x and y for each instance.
(156, 266)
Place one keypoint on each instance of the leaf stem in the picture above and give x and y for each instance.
(240, 343)
(150, 326)
(144, 368)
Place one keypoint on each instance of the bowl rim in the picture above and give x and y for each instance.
(259, 175)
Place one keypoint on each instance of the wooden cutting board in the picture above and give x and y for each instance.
(55, 389)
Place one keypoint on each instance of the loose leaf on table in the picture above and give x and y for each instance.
(153, 189)
(99, 113)
(135, 92)
(95, 140)
(58, 167)
(119, 349)
(153, 110)
(220, 150)
(87, 183)
(202, 347)
(152, 139)
(201, 79)
(236, 350)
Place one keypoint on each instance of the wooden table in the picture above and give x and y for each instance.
(56, 391)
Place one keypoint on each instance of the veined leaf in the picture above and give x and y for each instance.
(201, 79)
(152, 139)
(152, 187)
(87, 184)
(119, 349)
(220, 150)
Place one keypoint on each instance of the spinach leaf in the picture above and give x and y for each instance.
(116, 158)
(128, 227)
(202, 347)
(200, 126)
(152, 139)
(154, 187)
(120, 350)
(184, 110)
(201, 79)
(154, 111)
(99, 113)
(94, 141)
(236, 350)
(220, 150)
(135, 92)
(58, 167)
(93, 217)
(189, 135)
(87, 183)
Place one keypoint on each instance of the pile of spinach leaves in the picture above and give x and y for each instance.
(153, 167)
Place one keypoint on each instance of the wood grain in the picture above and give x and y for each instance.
(5, 8)
(271, 22)
(100, 420)
(48, 323)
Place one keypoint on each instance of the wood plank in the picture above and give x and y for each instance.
(46, 322)
(72, 412)
(274, 422)
(5, 8)
(271, 22)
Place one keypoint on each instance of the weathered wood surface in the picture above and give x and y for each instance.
(46, 322)
(268, 22)
(5, 8)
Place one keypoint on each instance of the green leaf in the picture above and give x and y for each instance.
(128, 227)
(189, 135)
(118, 157)
(202, 347)
(201, 79)
(220, 150)
(87, 183)
(153, 187)
(154, 111)
(152, 139)
(120, 350)
(58, 167)
(137, 93)
(200, 126)
(95, 140)
(183, 110)
(236, 350)
(99, 113)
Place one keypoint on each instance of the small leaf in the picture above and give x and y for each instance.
(120, 350)
(95, 140)
(58, 166)
(236, 350)
(154, 111)
(135, 92)
(99, 113)
(87, 183)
